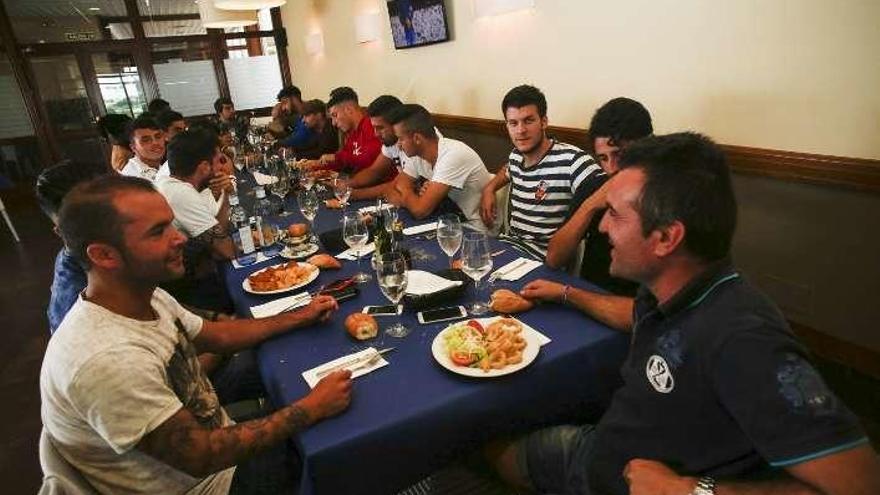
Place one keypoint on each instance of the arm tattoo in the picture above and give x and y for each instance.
(183, 443)
(215, 232)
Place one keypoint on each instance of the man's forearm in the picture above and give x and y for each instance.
(227, 337)
(788, 486)
(614, 311)
(201, 451)
(565, 240)
(372, 175)
(371, 192)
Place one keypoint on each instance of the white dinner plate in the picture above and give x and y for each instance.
(533, 346)
(246, 284)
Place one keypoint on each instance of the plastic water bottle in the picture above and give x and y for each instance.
(265, 228)
(245, 251)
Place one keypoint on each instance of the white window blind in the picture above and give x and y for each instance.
(15, 121)
(254, 82)
(190, 87)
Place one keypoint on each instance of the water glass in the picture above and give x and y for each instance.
(449, 232)
(355, 234)
(391, 275)
(476, 263)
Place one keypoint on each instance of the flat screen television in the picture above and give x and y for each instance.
(417, 22)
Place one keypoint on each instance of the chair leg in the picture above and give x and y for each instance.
(9, 222)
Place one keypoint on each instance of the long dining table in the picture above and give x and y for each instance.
(412, 417)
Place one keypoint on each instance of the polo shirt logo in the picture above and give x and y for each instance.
(541, 191)
(659, 374)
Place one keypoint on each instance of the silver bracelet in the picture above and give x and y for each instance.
(565, 294)
(705, 486)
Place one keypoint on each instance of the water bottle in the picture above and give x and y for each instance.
(265, 227)
(240, 228)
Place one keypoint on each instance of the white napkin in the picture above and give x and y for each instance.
(263, 179)
(542, 339)
(508, 272)
(419, 283)
(275, 307)
(260, 258)
(367, 210)
(349, 254)
(350, 361)
(418, 229)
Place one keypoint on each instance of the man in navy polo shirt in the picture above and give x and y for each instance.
(718, 395)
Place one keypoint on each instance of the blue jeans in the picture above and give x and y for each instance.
(271, 472)
(238, 378)
(555, 460)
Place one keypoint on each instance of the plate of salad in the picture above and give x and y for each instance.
(486, 347)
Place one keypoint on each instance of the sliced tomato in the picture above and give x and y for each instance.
(462, 358)
(476, 326)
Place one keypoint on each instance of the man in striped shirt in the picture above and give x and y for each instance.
(548, 178)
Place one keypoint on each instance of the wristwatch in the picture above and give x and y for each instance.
(705, 486)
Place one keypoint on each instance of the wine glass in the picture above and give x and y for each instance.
(476, 262)
(355, 234)
(282, 186)
(342, 190)
(449, 234)
(391, 275)
(308, 205)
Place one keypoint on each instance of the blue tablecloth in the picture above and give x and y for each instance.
(410, 418)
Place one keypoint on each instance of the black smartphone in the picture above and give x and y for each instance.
(441, 314)
(388, 310)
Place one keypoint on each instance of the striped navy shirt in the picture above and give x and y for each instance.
(543, 195)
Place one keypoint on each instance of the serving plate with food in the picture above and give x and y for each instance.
(486, 347)
(323, 174)
(280, 278)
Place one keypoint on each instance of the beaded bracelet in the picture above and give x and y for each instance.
(565, 294)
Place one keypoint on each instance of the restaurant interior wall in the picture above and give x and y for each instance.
(799, 76)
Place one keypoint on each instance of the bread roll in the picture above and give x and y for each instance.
(508, 302)
(325, 262)
(361, 326)
(298, 229)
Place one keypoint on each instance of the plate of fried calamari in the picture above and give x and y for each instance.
(486, 347)
(280, 278)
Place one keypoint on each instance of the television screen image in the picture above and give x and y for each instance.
(417, 22)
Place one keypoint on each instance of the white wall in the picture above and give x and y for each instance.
(801, 75)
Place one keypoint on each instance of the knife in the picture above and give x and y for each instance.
(356, 362)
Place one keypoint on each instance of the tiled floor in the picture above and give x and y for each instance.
(27, 270)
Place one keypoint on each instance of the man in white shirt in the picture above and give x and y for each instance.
(124, 399)
(375, 180)
(450, 168)
(148, 144)
(194, 160)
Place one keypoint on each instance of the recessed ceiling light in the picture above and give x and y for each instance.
(94, 9)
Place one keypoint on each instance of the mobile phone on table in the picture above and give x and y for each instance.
(441, 314)
(387, 310)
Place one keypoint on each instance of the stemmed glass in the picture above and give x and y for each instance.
(449, 234)
(476, 262)
(391, 275)
(342, 190)
(308, 205)
(355, 234)
(282, 186)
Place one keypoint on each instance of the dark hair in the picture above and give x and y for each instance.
(209, 126)
(314, 106)
(381, 106)
(522, 96)
(341, 94)
(415, 118)
(290, 91)
(88, 215)
(158, 106)
(168, 117)
(686, 179)
(55, 182)
(144, 121)
(621, 119)
(114, 127)
(219, 102)
(190, 148)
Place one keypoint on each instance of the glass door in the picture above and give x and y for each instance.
(65, 100)
(119, 83)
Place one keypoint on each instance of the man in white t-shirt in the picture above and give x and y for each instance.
(374, 181)
(148, 144)
(124, 399)
(194, 160)
(450, 169)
